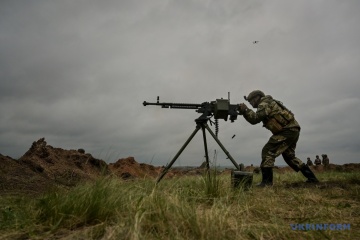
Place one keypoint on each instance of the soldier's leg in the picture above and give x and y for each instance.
(289, 139)
(296, 164)
(291, 160)
(306, 171)
(279, 144)
(272, 149)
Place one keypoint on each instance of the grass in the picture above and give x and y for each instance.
(191, 207)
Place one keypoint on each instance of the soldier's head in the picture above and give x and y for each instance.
(308, 158)
(254, 98)
(317, 156)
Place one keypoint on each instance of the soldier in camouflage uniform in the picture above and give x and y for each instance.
(309, 162)
(317, 160)
(286, 130)
(325, 160)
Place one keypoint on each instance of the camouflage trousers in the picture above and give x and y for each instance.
(283, 143)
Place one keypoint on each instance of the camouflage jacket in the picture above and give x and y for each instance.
(274, 115)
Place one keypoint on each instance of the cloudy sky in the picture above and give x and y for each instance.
(77, 71)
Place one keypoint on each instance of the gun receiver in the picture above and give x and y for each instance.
(220, 108)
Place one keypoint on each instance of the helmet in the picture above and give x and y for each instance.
(254, 94)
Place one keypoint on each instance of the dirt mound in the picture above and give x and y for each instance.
(128, 168)
(43, 167)
(66, 167)
(349, 167)
(16, 177)
(283, 169)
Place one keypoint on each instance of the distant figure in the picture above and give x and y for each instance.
(317, 160)
(309, 162)
(325, 160)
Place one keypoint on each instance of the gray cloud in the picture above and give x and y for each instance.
(77, 72)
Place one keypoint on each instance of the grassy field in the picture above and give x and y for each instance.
(190, 208)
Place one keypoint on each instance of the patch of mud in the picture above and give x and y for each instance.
(320, 185)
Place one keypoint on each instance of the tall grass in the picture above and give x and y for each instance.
(195, 207)
(211, 181)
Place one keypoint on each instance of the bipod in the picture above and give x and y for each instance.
(201, 123)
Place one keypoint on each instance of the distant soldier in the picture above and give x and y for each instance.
(309, 162)
(325, 160)
(317, 160)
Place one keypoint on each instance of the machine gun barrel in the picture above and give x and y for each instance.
(175, 105)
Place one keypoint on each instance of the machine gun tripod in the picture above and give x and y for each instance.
(220, 109)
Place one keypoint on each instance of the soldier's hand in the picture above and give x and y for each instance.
(242, 108)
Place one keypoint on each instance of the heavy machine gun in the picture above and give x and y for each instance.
(219, 109)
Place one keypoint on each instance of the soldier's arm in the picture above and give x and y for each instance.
(255, 117)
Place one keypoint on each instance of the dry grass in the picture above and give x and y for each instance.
(188, 208)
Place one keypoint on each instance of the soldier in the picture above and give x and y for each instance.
(309, 162)
(285, 129)
(325, 160)
(317, 160)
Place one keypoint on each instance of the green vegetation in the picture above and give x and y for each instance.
(192, 207)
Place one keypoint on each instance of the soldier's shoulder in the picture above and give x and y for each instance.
(266, 100)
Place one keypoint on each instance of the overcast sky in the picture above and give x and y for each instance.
(77, 71)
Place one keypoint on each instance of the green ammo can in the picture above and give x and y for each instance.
(241, 179)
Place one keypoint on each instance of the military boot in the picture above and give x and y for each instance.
(306, 171)
(267, 177)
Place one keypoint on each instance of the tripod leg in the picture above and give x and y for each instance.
(222, 147)
(166, 169)
(206, 151)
